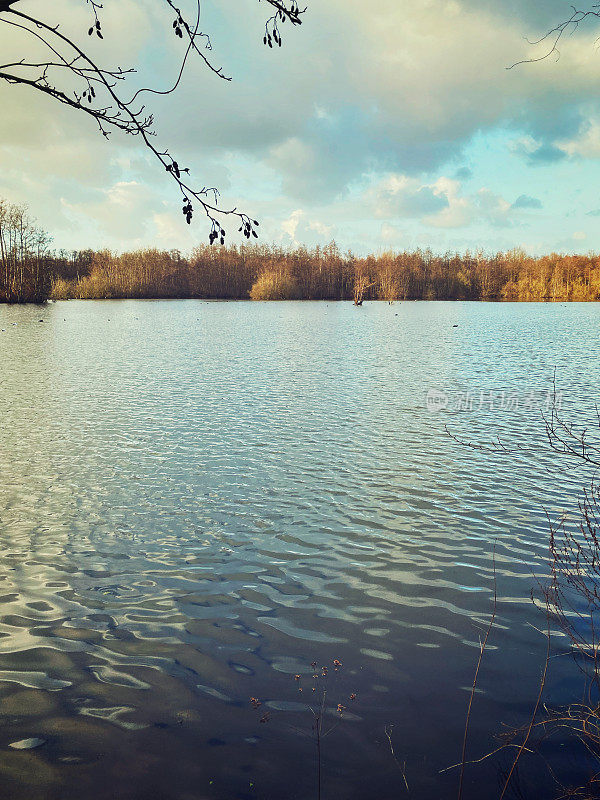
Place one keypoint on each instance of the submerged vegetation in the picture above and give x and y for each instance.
(322, 710)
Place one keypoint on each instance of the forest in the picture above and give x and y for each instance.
(31, 272)
(268, 272)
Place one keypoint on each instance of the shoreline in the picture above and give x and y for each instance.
(495, 301)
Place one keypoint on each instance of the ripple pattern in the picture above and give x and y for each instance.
(199, 499)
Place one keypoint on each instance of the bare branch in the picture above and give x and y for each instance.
(556, 34)
(99, 95)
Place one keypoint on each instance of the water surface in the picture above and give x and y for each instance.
(199, 499)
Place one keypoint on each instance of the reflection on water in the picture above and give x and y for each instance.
(199, 499)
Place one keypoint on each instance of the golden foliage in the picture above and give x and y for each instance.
(264, 272)
(274, 284)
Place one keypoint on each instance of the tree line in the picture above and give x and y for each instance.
(268, 272)
(30, 272)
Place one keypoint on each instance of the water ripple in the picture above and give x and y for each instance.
(199, 499)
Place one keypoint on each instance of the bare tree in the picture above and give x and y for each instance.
(68, 73)
(24, 272)
(362, 283)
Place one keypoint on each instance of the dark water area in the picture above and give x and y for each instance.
(199, 499)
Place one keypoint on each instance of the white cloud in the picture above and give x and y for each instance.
(168, 232)
(325, 231)
(401, 196)
(586, 143)
(290, 225)
(441, 204)
(391, 234)
(121, 211)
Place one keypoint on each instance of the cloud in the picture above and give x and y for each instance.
(441, 204)
(323, 230)
(537, 153)
(352, 93)
(526, 201)
(401, 196)
(546, 154)
(300, 227)
(290, 225)
(124, 210)
(537, 17)
(493, 208)
(463, 174)
(484, 206)
(586, 142)
(391, 234)
(168, 232)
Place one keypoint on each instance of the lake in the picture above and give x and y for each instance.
(199, 499)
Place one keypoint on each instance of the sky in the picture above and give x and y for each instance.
(386, 125)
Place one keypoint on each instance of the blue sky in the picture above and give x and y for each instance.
(390, 125)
